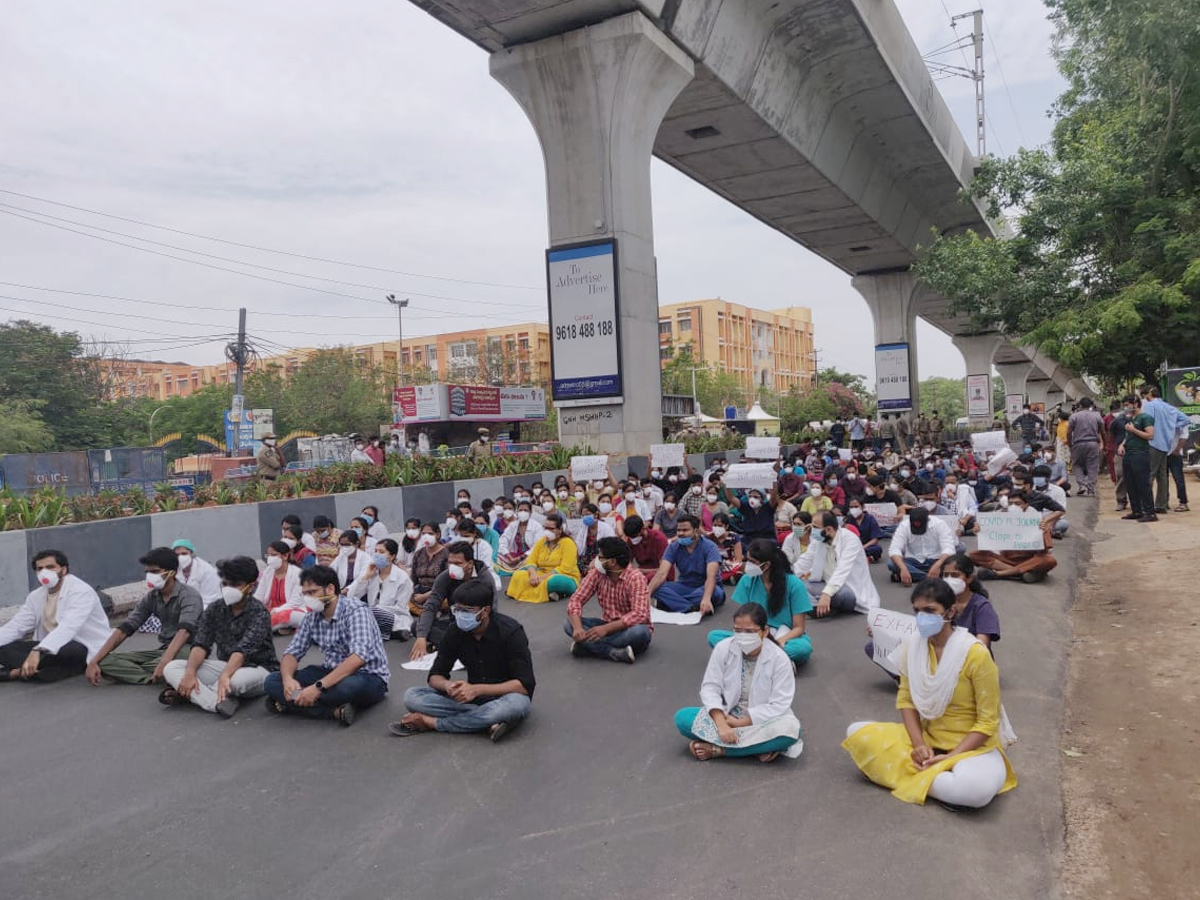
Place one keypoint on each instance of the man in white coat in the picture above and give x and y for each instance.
(67, 623)
(835, 569)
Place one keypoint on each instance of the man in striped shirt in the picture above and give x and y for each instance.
(624, 632)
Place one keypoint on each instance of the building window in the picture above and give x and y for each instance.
(665, 352)
(664, 327)
(524, 343)
(685, 324)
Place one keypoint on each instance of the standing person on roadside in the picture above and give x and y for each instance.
(1085, 432)
(1028, 424)
(270, 462)
(1167, 422)
(1175, 467)
(1116, 437)
(1135, 456)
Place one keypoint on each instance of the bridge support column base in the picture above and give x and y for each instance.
(977, 351)
(892, 298)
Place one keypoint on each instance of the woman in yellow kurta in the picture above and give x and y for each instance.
(551, 570)
(949, 745)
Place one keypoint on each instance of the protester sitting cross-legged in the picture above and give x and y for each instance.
(435, 617)
(835, 569)
(919, 547)
(279, 588)
(551, 571)
(948, 746)
(387, 590)
(518, 539)
(646, 544)
(623, 632)
(697, 563)
(60, 624)
(499, 685)
(769, 582)
(730, 545)
(1028, 565)
(867, 526)
(232, 652)
(354, 674)
(746, 695)
(178, 608)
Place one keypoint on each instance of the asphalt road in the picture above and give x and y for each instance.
(108, 794)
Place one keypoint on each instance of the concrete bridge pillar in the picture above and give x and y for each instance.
(1015, 375)
(596, 97)
(892, 298)
(977, 351)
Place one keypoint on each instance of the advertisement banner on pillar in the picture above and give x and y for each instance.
(585, 333)
(1013, 406)
(892, 387)
(979, 396)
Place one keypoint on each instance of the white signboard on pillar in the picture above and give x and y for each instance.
(892, 387)
(585, 334)
(1014, 404)
(979, 396)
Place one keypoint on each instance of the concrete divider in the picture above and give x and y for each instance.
(101, 553)
(271, 513)
(389, 502)
(16, 574)
(217, 531)
(428, 502)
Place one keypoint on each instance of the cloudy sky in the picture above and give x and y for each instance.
(360, 132)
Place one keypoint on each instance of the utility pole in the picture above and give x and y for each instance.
(695, 398)
(239, 354)
(400, 306)
(977, 77)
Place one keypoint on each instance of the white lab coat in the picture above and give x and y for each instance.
(937, 541)
(392, 593)
(577, 531)
(341, 565)
(771, 689)
(204, 578)
(641, 508)
(508, 539)
(965, 503)
(80, 618)
(850, 568)
(378, 530)
(291, 587)
(792, 549)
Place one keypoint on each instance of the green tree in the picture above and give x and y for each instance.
(1104, 271)
(856, 383)
(332, 393)
(22, 429)
(947, 395)
(715, 389)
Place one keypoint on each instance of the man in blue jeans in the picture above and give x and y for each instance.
(624, 632)
(355, 674)
(499, 687)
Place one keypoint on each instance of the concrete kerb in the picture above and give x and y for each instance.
(14, 568)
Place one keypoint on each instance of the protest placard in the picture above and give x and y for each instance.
(885, 514)
(665, 456)
(989, 441)
(888, 631)
(1003, 458)
(845, 454)
(589, 468)
(662, 617)
(762, 448)
(743, 476)
(1011, 531)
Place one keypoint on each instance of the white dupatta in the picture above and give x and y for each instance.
(931, 692)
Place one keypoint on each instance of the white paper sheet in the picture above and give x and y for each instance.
(425, 663)
(662, 617)
(666, 456)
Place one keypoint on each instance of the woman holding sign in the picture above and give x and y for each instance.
(948, 746)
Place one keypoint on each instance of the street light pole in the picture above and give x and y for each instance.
(400, 305)
(695, 399)
(152, 415)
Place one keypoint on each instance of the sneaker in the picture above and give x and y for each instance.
(171, 697)
(1121, 507)
(227, 707)
(399, 729)
(402, 635)
(553, 597)
(274, 707)
(577, 651)
(345, 714)
(1149, 518)
(1033, 577)
(1134, 516)
(624, 654)
(499, 730)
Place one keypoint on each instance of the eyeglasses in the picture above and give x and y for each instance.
(467, 610)
(310, 593)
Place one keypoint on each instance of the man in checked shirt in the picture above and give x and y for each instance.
(624, 632)
(355, 671)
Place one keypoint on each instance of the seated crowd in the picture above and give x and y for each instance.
(672, 538)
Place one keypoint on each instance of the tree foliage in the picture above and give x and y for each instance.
(22, 429)
(1104, 271)
(715, 389)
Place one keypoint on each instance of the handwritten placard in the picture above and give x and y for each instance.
(1003, 458)
(1010, 531)
(845, 454)
(744, 476)
(665, 456)
(989, 441)
(888, 631)
(762, 448)
(885, 514)
(589, 468)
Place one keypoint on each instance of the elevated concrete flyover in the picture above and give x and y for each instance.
(817, 117)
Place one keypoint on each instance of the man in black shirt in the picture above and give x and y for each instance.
(499, 686)
(1116, 437)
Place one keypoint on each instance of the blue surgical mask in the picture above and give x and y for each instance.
(466, 621)
(929, 624)
(380, 560)
(1039, 482)
(370, 520)
(589, 521)
(685, 541)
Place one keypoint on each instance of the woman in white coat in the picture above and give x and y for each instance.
(387, 590)
(279, 588)
(835, 569)
(746, 695)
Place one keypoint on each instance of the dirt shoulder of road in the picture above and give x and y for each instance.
(1131, 742)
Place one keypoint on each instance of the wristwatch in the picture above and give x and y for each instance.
(320, 686)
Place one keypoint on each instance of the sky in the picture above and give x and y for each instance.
(368, 142)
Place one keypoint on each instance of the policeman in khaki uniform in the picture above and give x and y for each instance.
(482, 448)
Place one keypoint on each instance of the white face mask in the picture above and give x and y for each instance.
(668, 506)
(930, 505)
(851, 476)
(856, 512)
(753, 570)
(231, 595)
(718, 531)
(711, 498)
(631, 497)
(291, 542)
(657, 473)
(605, 508)
(647, 492)
(426, 540)
(548, 506)
(755, 502)
(522, 516)
(155, 580)
(747, 643)
(598, 565)
(1004, 503)
(509, 514)
(456, 572)
(451, 523)
(185, 559)
(274, 562)
(696, 489)
(816, 492)
(636, 540)
(956, 584)
(562, 495)
(412, 533)
(345, 550)
(47, 578)
(316, 604)
(579, 495)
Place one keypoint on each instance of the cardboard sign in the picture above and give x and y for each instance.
(845, 454)
(743, 476)
(885, 514)
(989, 441)
(888, 631)
(762, 448)
(997, 463)
(589, 468)
(1011, 531)
(665, 456)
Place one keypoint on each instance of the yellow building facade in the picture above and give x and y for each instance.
(770, 349)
